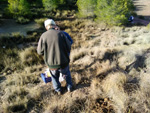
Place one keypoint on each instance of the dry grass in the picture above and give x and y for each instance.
(30, 57)
(19, 95)
(113, 88)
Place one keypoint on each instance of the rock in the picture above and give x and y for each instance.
(9, 72)
(106, 99)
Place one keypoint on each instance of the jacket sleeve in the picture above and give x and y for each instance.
(40, 48)
(68, 36)
(68, 44)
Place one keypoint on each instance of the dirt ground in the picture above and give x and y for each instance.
(9, 26)
(142, 9)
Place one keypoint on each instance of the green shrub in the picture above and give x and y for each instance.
(40, 22)
(113, 12)
(148, 26)
(22, 20)
(19, 8)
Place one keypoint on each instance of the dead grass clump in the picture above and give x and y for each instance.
(30, 57)
(113, 87)
(20, 99)
(22, 79)
(15, 99)
(96, 89)
(103, 68)
(145, 83)
(9, 59)
(67, 104)
(75, 55)
(140, 100)
(77, 78)
(40, 22)
(20, 92)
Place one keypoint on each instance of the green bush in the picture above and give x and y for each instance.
(50, 5)
(148, 26)
(113, 12)
(86, 7)
(40, 22)
(19, 8)
(22, 20)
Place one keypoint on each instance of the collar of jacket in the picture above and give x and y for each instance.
(51, 28)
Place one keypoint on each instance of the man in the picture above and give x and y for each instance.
(67, 35)
(55, 46)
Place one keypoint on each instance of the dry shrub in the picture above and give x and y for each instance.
(77, 78)
(9, 59)
(96, 89)
(30, 57)
(15, 99)
(145, 83)
(22, 79)
(98, 52)
(20, 92)
(77, 54)
(85, 61)
(126, 58)
(19, 99)
(67, 104)
(103, 67)
(140, 100)
(113, 87)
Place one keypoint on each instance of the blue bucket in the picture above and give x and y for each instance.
(46, 79)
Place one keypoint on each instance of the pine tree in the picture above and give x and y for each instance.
(19, 7)
(86, 7)
(13, 6)
(113, 12)
(50, 4)
(24, 7)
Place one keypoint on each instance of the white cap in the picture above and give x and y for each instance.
(49, 22)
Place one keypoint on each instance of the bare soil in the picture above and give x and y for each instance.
(142, 10)
(9, 26)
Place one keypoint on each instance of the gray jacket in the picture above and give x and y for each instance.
(55, 46)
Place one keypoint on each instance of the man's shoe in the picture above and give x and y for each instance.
(59, 92)
(69, 89)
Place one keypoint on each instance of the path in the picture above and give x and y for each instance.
(142, 9)
(10, 26)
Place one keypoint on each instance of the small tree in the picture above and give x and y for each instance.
(13, 6)
(50, 4)
(24, 8)
(86, 7)
(19, 7)
(113, 12)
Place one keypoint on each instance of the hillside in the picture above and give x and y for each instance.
(110, 67)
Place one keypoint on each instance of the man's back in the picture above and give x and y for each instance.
(55, 47)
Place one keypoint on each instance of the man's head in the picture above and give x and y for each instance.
(49, 23)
